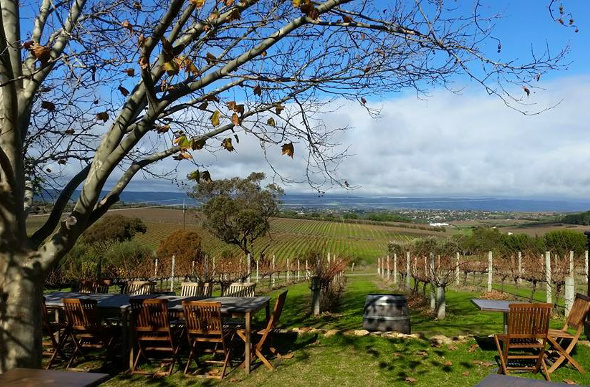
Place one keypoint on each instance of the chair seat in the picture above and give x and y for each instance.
(558, 333)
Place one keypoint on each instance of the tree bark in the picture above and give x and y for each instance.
(21, 290)
(441, 303)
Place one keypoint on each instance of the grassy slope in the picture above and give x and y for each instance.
(374, 361)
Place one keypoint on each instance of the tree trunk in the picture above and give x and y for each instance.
(21, 290)
(441, 303)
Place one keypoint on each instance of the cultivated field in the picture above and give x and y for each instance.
(290, 238)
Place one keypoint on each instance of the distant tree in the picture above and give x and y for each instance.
(112, 229)
(185, 246)
(581, 218)
(561, 242)
(238, 210)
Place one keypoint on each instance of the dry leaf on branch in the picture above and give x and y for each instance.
(226, 143)
(48, 105)
(41, 53)
(288, 149)
(215, 118)
(104, 116)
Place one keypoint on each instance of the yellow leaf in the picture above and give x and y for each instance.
(296, 3)
(288, 149)
(171, 68)
(226, 143)
(271, 121)
(197, 3)
(215, 118)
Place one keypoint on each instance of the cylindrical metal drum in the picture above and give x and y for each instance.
(386, 312)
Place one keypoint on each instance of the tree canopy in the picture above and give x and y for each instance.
(238, 210)
(113, 228)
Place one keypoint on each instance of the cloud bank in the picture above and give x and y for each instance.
(467, 144)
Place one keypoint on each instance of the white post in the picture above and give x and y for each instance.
(378, 266)
(248, 269)
(519, 267)
(273, 280)
(570, 286)
(387, 268)
(490, 269)
(156, 267)
(548, 275)
(328, 259)
(586, 266)
(172, 273)
(288, 269)
(352, 269)
(298, 260)
(394, 268)
(257, 272)
(431, 276)
(306, 270)
(457, 265)
(408, 269)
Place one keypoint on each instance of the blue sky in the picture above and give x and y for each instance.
(466, 144)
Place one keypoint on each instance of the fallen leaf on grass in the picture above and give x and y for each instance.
(452, 348)
(465, 373)
(287, 356)
(396, 354)
(233, 380)
(410, 380)
(448, 363)
(484, 363)
(422, 353)
(472, 348)
(568, 381)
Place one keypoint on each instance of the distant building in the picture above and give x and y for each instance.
(438, 224)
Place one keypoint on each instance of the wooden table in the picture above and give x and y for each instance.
(241, 307)
(495, 306)
(25, 377)
(496, 380)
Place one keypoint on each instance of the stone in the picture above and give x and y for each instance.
(361, 332)
(332, 332)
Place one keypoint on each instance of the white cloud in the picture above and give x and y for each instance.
(448, 144)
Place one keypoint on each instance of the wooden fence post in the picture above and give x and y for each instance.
(352, 269)
(298, 272)
(156, 267)
(548, 275)
(306, 270)
(387, 268)
(378, 266)
(407, 269)
(430, 275)
(490, 270)
(457, 264)
(394, 268)
(288, 269)
(172, 273)
(586, 266)
(519, 267)
(273, 280)
(249, 268)
(257, 272)
(570, 286)
(315, 295)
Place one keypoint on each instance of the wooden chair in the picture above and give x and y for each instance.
(528, 325)
(138, 288)
(86, 286)
(238, 289)
(152, 329)
(196, 289)
(267, 332)
(85, 328)
(204, 327)
(558, 337)
(56, 331)
(102, 286)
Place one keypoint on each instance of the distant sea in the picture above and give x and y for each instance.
(359, 202)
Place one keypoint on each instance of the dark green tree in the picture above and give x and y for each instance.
(113, 229)
(238, 210)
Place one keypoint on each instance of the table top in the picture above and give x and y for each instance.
(121, 301)
(25, 377)
(495, 380)
(493, 305)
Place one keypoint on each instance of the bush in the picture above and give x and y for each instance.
(185, 246)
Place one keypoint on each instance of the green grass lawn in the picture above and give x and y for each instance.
(347, 360)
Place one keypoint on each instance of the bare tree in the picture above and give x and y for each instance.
(95, 91)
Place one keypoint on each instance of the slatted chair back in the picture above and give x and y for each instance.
(529, 321)
(137, 288)
(578, 313)
(86, 286)
(102, 286)
(237, 289)
(203, 318)
(82, 314)
(150, 316)
(274, 318)
(196, 289)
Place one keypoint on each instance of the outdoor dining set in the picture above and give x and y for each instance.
(147, 324)
(528, 343)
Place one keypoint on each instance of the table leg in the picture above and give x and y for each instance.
(505, 319)
(248, 341)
